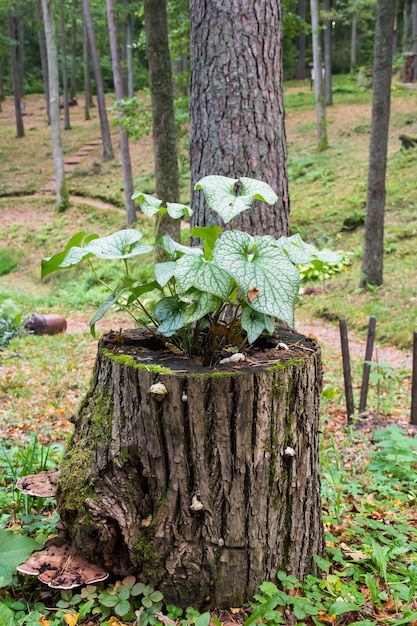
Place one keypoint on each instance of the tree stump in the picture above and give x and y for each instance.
(207, 489)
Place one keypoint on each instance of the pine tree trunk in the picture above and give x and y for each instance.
(236, 105)
(206, 491)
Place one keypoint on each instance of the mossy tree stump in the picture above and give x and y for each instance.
(208, 490)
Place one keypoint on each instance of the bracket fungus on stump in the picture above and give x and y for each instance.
(58, 564)
(205, 484)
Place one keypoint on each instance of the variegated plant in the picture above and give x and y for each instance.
(217, 297)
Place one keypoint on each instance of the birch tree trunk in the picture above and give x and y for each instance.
(208, 490)
(62, 196)
(322, 141)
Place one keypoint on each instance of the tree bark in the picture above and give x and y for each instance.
(236, 105)
(62, 196)
(163, 116)
(101, 103)
(301, 66)
(73, 78)
(208, 491)
(322, 141)
(327, 39)
(414, 33)
(353, 42)
(373, 251)
(124, 140)
(13, 34)
(67, 121)
(43, 56)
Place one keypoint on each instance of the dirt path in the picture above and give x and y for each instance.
(329, 336)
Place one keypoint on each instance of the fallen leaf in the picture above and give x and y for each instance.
(71, 618)
(253, 293)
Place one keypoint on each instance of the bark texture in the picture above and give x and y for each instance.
(373, 251)
(236, 104)
(197, 492)
(163, 116)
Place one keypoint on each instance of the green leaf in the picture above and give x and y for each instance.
(203, 304)
(340, 606)
(147, 204)
(120, 245)
(171, 247)
(203, 619)
(254, 323)
(53, 263)
(268, 588)
(177, 210)
(209, 235)
(108, 600)
(195, 271)
(137, 589)
(102, 310)
(170, 314)
(156, 596)
(122, 607)
(301, 252)
(6, 616)
(219, 192)
(262, 270)
(137, 292)
(14, 550)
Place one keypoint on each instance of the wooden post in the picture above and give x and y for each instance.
(350, 407)
(413, 419)
(366, 365)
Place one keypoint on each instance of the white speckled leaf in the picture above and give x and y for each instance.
(253, 322)
(177, 210)
(147, 204)
(204, 303)
(170, 313)
(164, 272)
(264, 268)
(120, 245)
(171, 247)
(195, 271)
(301, 252)
(220, 195)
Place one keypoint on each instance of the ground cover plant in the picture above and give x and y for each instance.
(369, 472)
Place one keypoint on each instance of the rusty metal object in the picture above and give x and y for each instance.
(48, 324)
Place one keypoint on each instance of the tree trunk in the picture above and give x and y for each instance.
(124, 140)
(73, 78)
(101, 103)
(353, 40)
(67, 122)
(163, 115)
(87, 77)
(62, 196)
(373, 252)
(236, 105)
(327, 36)
(13, 34)
(43, 56)
(205, 492)
(414, 34)
(406, 26)
(129, 56)
(301, 67)
(322, 142)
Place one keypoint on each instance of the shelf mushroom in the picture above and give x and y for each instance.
(60, 567)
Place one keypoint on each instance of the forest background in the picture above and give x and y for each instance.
(371, 545)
